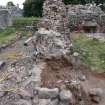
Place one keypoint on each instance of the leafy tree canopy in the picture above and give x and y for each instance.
(9, 4)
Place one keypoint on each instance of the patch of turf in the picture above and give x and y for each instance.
(7, 34)
(92, 51)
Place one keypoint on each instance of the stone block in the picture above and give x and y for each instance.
(45, 93)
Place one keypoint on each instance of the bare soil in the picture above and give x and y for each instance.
(58, 72)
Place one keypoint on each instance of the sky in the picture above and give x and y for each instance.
(20, 2)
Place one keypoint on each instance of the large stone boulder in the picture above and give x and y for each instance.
(96, 94)
(45, 93)
(66, 95)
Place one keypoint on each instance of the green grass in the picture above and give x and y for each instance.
(92, 52)
(7, 34)
(21, 22)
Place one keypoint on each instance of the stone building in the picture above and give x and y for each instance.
(15, 11)
(5, 18)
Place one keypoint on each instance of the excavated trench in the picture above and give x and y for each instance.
(59, 72)
(56, 71)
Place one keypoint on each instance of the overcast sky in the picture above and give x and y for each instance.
(20, 2)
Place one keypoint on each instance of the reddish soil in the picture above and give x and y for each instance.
(56, 71)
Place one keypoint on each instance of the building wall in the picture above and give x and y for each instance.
(5, 18)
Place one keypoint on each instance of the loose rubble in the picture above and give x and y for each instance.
(96, 94)
(2, 63)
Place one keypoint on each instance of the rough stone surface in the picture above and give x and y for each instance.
(2, 63)
(49, 43)
(5, 18)
(44, 102)
(54, 17)
(96, 92)
(79, 14)
(54, 102)
(45, 93)
(23, 102)
(2, 94)
(96, 99)
(66, 95)
(24, 86)
(96, 95)
(53, 35)
(64, 103)
(25, 94)
(82, 78)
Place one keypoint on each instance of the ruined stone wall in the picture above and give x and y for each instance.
(53, 36)
(54, 16)
(5, 18)
(79, 13)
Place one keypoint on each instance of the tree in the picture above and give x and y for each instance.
(9, 4)
(33, 8)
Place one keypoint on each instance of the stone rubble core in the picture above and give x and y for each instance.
(49, 43)
(55, 18)
(53, 35)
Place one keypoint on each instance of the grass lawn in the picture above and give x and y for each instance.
(92, 51)
(21, 22)
(7, 34)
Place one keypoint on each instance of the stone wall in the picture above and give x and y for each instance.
(53, 36)
(5, 18)
(54, 15)
(15, 11)
(78, 14)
